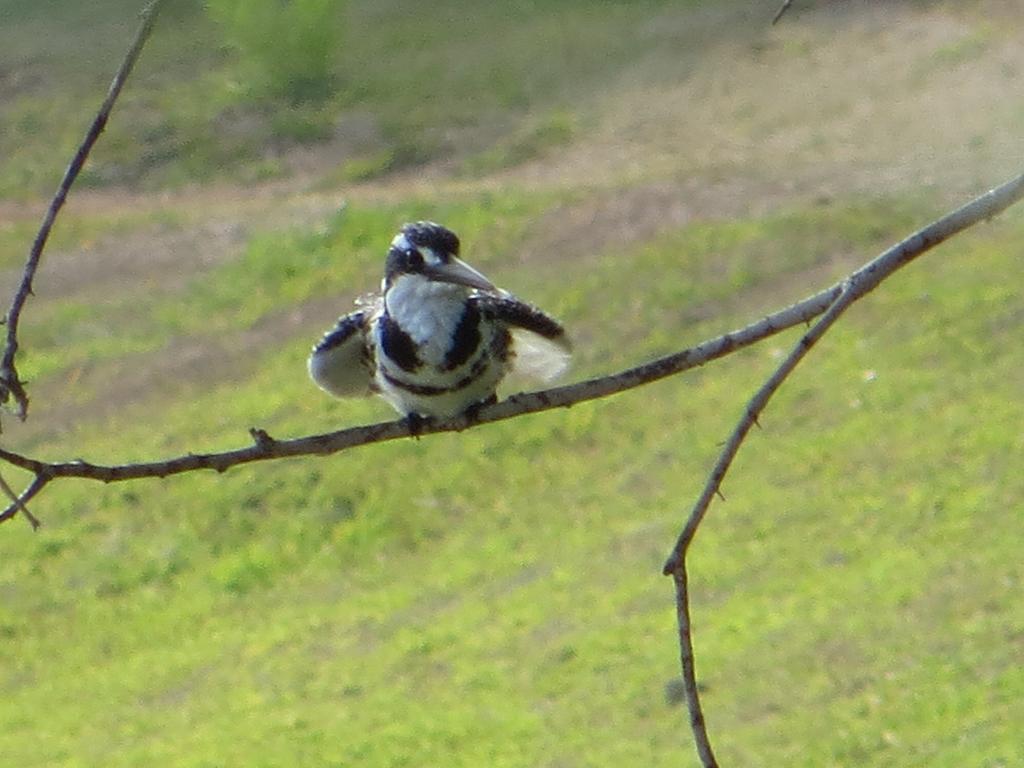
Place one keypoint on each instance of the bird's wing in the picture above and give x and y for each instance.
(541, 350)
(340, 363)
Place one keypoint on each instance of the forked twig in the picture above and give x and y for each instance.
(11, 385)
(856, 286)
(829, 304)
(18, 503)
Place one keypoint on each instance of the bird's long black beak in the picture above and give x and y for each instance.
(457, 271)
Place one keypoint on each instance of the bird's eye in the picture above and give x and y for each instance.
(415, 259)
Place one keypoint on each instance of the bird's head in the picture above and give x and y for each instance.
(430, 251)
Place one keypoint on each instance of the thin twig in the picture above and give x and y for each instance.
(859, 284)
(17, 503)
(782, 10)
(21, 502)
(686, 659)
(10, 383)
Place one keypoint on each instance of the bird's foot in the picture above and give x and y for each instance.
(417, 423)
(472, 413)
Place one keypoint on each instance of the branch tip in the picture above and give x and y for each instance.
(782, 10)
(25, 289)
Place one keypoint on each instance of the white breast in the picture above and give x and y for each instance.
(429, 312)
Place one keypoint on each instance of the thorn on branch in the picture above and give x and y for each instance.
(260, 437)
(471, 416)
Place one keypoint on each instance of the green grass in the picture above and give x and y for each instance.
(189, 113)
(276, 269)
(495, 598)
(286, 51)
(708, 261)
(534, 141)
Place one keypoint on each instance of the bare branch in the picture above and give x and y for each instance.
(827, 305)
(859, 284)
(686, 658)
(834, 299)
(18, 504)
(781, 11)
(265, 447)
(10, 383)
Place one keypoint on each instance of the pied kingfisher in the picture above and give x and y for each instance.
(440, 337)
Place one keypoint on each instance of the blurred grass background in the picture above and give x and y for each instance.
(652, 173)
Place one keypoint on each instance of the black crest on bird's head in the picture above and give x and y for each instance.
(407, 251)
(427, 234)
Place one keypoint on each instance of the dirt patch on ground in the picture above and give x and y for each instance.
(208, 227)
(618, 219)
(169, 257)
(608, 222)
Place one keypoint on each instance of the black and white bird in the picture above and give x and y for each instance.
(440, 337)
